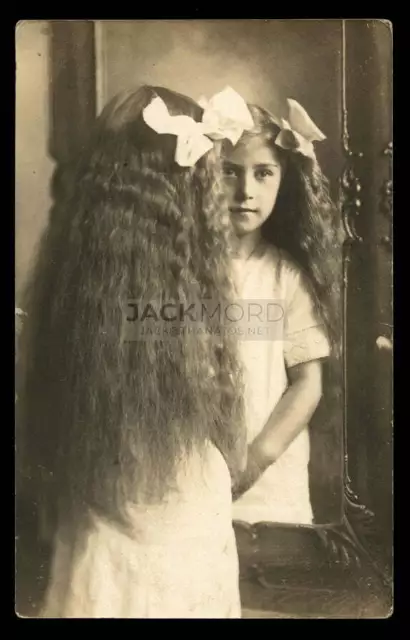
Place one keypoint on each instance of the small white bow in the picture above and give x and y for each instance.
(226, 115)
(299, 131)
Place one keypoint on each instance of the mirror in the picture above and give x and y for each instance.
(266, 62)
(335, 559)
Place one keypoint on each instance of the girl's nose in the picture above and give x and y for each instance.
(246, 187)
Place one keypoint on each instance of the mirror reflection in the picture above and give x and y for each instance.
(288, 250)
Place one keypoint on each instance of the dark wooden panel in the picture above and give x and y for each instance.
(72, 80)
(369, 103)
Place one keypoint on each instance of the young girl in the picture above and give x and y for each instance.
(287, 243)
(135, 442)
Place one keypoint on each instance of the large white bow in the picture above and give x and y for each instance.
(299, 131)
(226, 115)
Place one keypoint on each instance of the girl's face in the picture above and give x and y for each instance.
(252, 176)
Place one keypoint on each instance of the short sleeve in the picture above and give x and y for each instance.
(305, 337)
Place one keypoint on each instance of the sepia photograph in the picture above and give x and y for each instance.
(204, 319)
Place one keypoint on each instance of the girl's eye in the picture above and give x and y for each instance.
(229, 172)
(263, 173)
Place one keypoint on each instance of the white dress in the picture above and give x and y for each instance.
(180, 562)
(269, 276)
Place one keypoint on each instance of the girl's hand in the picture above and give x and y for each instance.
(257, 463)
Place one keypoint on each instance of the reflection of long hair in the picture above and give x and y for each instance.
(306, 225)
(109, 421)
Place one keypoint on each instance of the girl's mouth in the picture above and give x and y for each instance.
(239, 210)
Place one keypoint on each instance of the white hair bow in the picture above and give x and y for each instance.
(226, 115)
(299, 131)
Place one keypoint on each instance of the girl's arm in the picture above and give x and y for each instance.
(290, 416)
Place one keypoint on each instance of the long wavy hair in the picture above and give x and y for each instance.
(108, 420)
(306, 225)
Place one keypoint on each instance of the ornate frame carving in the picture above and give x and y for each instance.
(386, 204)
